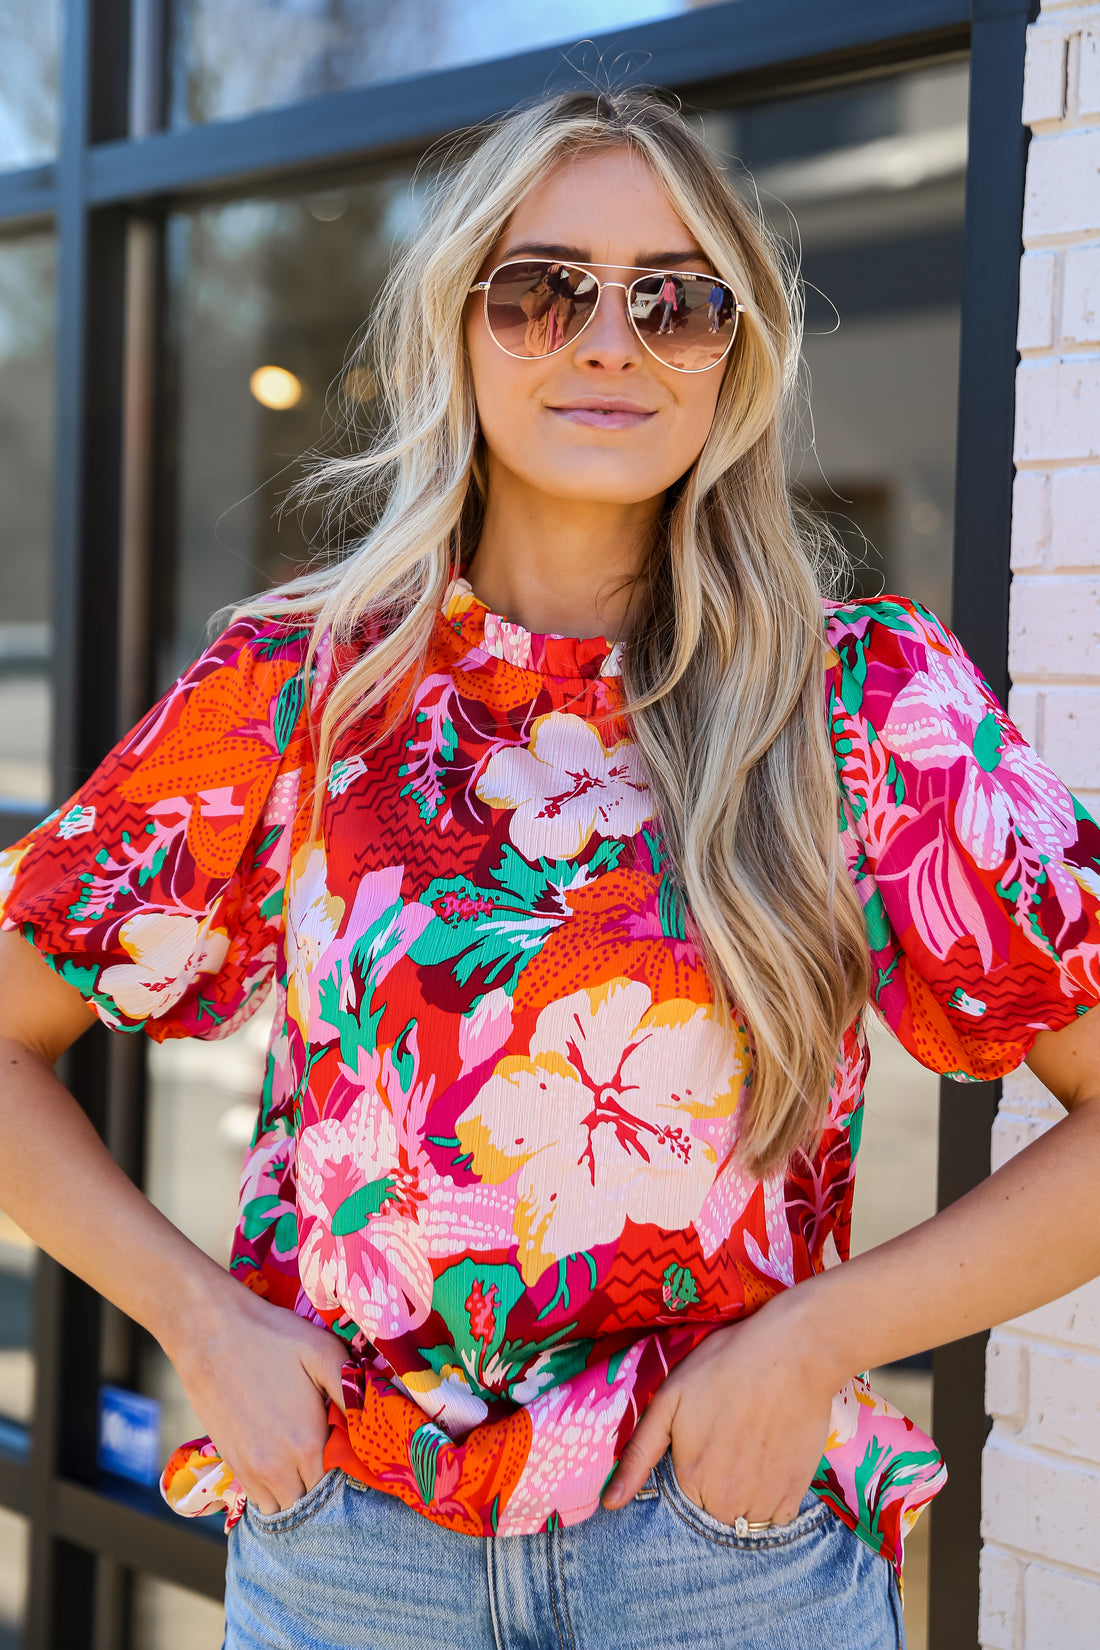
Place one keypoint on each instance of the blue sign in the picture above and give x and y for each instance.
(129, 1435)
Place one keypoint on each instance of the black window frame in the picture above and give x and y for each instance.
(116, 173)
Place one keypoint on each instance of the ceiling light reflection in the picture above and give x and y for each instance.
(276, 388)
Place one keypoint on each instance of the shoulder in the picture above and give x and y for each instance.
(254, 644)
(888, 646)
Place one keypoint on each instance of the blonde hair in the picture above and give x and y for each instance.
(724, 657)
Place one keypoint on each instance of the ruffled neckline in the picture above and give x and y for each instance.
(560, 657)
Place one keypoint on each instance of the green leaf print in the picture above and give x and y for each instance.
(678, 1288)
(988, 742)
(287, 709)
(455, 1287)
(496, 931)
(261, 1212)
(424, 1449)
(355, 1211)
(879, 931)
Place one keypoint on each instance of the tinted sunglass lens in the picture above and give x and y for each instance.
(687, 320)
(536, 307)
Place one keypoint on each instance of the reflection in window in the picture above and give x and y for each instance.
(171, 1618)
(13, 1578)
(26, 419)
(30, 36)
(868, 184)
(266, 295)
(260, 54)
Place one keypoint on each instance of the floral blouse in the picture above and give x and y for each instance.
(495, 1147)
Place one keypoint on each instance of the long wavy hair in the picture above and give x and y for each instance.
(724, 655)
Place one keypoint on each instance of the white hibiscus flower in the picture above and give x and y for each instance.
(565, 787)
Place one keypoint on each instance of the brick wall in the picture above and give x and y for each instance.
(1041, 1490)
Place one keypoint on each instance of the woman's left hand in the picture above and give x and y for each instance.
(747, 1416)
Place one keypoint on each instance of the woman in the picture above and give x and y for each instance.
(530, 807)
(549, 309)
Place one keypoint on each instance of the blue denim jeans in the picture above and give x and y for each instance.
(349, 1568)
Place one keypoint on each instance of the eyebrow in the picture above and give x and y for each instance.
(645, 260)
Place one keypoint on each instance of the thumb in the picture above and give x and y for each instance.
(324, 1364)
(643, 1450)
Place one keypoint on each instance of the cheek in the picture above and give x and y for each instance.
(502, 391)
(691, 426)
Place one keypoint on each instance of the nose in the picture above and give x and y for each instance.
(609, 341)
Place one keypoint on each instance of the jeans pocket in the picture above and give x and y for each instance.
(288, 1518)
(811, 1514)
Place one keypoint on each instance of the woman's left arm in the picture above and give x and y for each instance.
(747, 1413)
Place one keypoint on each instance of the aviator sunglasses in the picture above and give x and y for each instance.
(537, 306)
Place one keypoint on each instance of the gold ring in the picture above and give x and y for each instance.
(743, 1527)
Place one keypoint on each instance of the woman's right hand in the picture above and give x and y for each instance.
(259, 1378)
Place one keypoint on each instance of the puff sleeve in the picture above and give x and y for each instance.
(978, 872)
(157, 891)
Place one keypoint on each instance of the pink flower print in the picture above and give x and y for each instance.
(942, 717)
(360, 1245)
(169, 951)
(378, 896)
(565, 787)
(622, 1109)
(313, 918)
(484, 1031)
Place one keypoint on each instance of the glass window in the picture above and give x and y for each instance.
(171, 1618)
(30, 38)
(260, 54)
(866, 186)
(266, 296)
(26, 440)
(13, 1578)
(202, 1107)
(275, 286)
(26, 447)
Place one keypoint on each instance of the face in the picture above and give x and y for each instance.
(601, 420)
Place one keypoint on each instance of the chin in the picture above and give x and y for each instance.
(600, 484)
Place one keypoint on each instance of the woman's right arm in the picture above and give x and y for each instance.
(257, 1375)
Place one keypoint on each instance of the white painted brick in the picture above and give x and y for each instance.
(1063, 184)
(1090, 801)
(1044, 74)
(1001, 1586)
(1063, 1403)
(1054, 627)
(1040, 1504)
(1080, 295)
(1024, 706)
(1038, 271)
(1006, 1379)
(1012, 1133)
(1032, 520)
(1023, 1092)
(1075, 518)
(1058, 408)
(1073, 1318)
(1071, 735)
(1088, 75)
(1062, 1611)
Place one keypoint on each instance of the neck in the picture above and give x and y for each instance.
(560, 566)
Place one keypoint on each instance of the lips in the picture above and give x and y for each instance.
(604, 413)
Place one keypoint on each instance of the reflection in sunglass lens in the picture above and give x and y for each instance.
(687, 320)
(538, 307)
